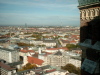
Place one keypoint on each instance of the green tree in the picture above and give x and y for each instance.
(37, 36)
(71, 68)
(77, 46)
(28, 66)
(71, 46)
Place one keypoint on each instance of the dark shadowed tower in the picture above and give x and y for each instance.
(90, 36)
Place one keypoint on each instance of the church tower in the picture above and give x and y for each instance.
(90, 36)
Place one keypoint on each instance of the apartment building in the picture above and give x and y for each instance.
(9, 61)
(58, 59)
(9, 55)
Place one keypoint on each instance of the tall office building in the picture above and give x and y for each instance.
(90, 36)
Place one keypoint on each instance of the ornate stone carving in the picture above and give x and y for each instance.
(89, 14)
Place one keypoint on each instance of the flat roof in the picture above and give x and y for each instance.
(6, 49)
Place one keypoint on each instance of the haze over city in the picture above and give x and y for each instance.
(39, 12)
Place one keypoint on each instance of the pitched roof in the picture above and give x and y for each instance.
(35, 60)
(25, 51)
(47, 71)
(5, 66)
(72, 41)
(58, 53)
(52, 49)
(65, 41)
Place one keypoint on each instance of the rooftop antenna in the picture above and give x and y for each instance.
(26, 27)
(61, 24)
(10, 36)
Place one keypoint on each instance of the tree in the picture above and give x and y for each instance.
(66, 36)
(28, 66)
(77, 45)
(71, 46)
(71, 68)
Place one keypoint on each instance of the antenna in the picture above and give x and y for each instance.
(26, 27)
(10, 36)
(61, 24)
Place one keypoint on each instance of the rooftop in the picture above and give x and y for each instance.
(88, 2)
(5, 66)
(58, 53)
(6, 49)
(35, 60)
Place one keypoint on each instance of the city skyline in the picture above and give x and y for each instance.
(39, 12)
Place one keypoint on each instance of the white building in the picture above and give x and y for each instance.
(9, 55)
(9, 61)
(24, 53)
(49, 43)
(75, 61)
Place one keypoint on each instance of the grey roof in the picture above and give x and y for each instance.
(6, 49)
(45, 67)
(58, 53)
(49, 41)
(15, 63)
(22, 72)
(76, 57)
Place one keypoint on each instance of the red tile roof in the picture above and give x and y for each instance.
(51, 70)
(75, 36)
(65, 41)
(35, 60)
(5, 66)
(72, 41)
(52, 49)
(25, 51)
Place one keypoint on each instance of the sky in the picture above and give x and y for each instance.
(39, 12)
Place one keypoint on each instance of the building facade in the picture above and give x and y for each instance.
(9, 55)
(9, 61)
(89, 36)
(57, 59)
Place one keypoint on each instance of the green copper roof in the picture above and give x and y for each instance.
(87, 2)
